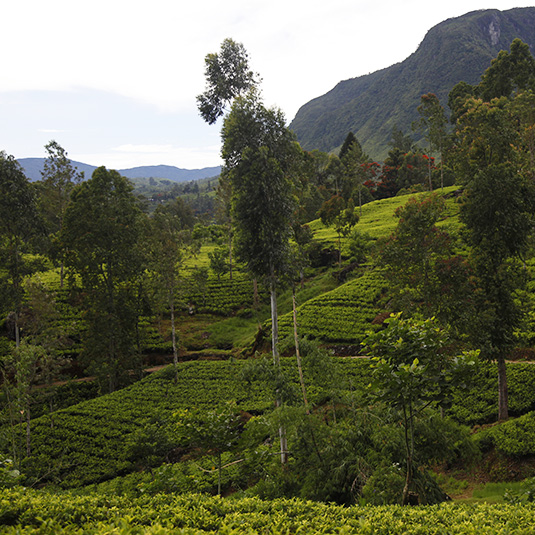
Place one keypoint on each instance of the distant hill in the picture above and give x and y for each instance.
(33, 167)
(458, 49)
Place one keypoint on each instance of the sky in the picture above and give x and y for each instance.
(114, 81)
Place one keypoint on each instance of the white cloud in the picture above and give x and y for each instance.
(153, 53)
(131, 155)
(148, 149)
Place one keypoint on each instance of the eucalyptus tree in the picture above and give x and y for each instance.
(258, 151)
(169, 239)
(227, 75)
(354, 161)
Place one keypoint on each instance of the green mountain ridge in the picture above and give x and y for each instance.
(458, 49)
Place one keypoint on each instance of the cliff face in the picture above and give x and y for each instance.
(458, 49)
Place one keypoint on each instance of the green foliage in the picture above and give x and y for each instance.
(9, 475)
(31, 512)
(359, 246)
(509, 72)
(413, 253)
(522, 495)
(19, 223)
(219, 261)
(227, 76)
(101, 239)
(384, 486)
(341, 315)
(515, 437)
(411, 371)
(97, 440)
(224, 297)
(257, 149)
(92, 441)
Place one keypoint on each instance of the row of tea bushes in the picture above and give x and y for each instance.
(343, 315)
(24, 511)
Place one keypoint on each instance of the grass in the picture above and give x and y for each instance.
(378, 220)
(494, 492)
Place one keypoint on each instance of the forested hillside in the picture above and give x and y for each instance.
(332, 340)
(370, 106)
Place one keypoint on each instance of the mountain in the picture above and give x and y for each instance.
(458, 49)
(33, 167)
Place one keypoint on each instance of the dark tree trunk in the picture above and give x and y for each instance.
(173, 332)
(503, 399)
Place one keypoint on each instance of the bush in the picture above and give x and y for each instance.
(359, 246)
(9, 475)
(514, 437)
(385, 486)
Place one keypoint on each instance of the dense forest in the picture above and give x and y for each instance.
(321, 341)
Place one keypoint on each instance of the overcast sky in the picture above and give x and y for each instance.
(114, 81)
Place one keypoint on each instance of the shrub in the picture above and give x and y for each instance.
(513, 437)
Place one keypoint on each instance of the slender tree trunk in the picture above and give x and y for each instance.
(408, 463)
(219, 474)
(441, 173)
(503, 398)
(276, 362)
(17, 331)
(12, 419)
(256, 302)
(173, 331)
(28, 427)
(274, 325)
(298, 355)
(230, 252)
(339, 250)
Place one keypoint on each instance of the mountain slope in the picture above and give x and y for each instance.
(458, 49)
(33, 167)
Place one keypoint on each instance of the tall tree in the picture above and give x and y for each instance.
(434, 121)
(101, 243)
(59, 178)
(18, 223)
(511, 71)
(354, 162)
(170, 237)
(413, 249)
(492, 160)
(227, 76)
(497, 213)
(258, 151)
